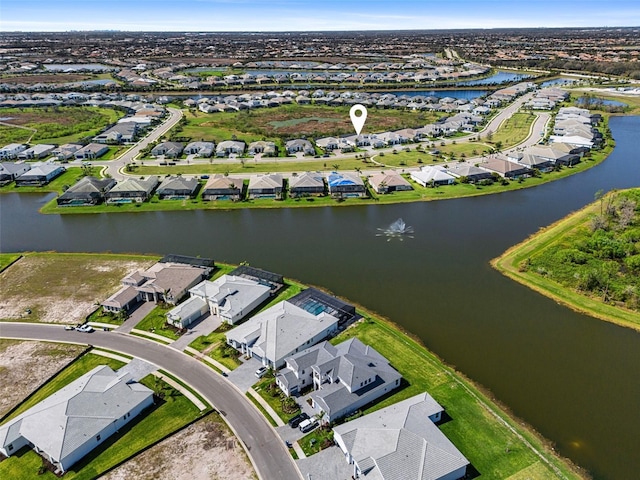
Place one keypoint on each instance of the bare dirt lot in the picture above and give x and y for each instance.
(203, 451)
(27, 365)
(62, 288)
(45, 78)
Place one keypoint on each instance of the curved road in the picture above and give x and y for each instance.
(268, 453)
(113, 166)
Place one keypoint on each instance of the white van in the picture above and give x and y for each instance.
(308, 425)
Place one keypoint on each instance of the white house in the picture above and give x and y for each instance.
(428, 175)
(231, 297)
(11, 151)
(345, 377)
(401, 441)
(279, 332)
(187, 312)
(68, 424)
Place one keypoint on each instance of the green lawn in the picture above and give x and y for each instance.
(7, 259)
(100, 316)
(317, 440)
(166, 417)
(270, 392)
(514, 130)
(262, 410)
(477, 426)
(156, 322)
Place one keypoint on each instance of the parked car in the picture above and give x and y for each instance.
(69, 327)
(261, 372)
(308, 425)
(298, 419)
(85, 328)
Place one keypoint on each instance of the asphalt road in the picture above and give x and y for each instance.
(114, 166)
(266, 450)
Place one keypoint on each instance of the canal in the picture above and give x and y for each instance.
(575, 379)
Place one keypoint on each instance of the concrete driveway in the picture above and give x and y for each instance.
(203, 326)
(244, 376)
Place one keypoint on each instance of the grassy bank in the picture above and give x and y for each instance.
(419, 193)
(519, 263)
(496, 445)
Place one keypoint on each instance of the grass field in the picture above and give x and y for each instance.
(292, 121)
(511, 263)
(496, 445)
(164, 418)
(7, 259)
(55, 125)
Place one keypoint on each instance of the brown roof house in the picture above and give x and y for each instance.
(388, 182)
(221, 187)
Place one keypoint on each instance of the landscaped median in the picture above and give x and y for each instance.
(584, 263)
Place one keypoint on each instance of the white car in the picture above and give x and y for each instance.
(261, 372)
(308, 425)
(85, 328)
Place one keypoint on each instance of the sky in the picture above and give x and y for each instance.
(300, 15)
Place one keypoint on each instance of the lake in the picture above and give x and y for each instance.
(572, 377)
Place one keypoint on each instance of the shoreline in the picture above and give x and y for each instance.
(525, 441)
(508, 264)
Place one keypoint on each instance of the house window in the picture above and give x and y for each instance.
(10, 447)
(98, 437)
(302, 372)
(303, 382)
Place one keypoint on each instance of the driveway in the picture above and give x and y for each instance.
(244, 376)
(136, 316)
(204, 326)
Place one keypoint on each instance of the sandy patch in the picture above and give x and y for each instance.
(25, 366)
(203, 451)
(62, 288)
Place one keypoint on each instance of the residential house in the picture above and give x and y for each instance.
(467, 171)
(505, 168)
(119, 133)
(167, 282)
(183, 315)
(531, 161)
(346, 185)
(401, 441)
(36, 152)
(178, 188)
(430, 175)
(230, 147)
(66, 151)
(132, 190)
(168, 149)
(9, 171)
(91, 151)
(267, 149)
(200, 149)
(11, 151)
(39, 175)
(575, 140)
(266, 186)
(221, 187)
(306, 184)
(81, 416)
(556, 156)
(300, 145)
(345, 377)
(230, 297)
(388, 182)
(279, 332)
(87, 191)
